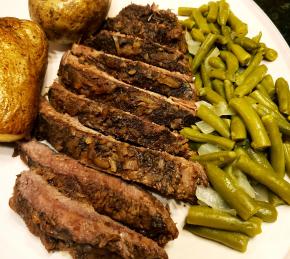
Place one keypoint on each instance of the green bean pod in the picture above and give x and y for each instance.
(229, 90)
(269, 85)
(184, 11)
(251, 81)
(236, 241)
(252, 121)
(286, 147)
(232, 64)
(196, 136)
(263, 90)
(264, 176)
(282, 90)
(270, 54)
(227, 32)
(277, 150)
(219, 87)
(205, 77)
(233, 195)
(263, 99)
(239, 27)
(197, 35)
(217, 73)
(216, 62)
(238, 129)
(200, 20)
(224, 12)
(259, 157)
(212, 96)
(247, 43)
(203, 8)
(267, 212)
(212, 11)
(258, 37)
(242, 55)
(222, 40)
(256, 60)
(220, 158)
(214, 28)
(275, 200)
(187, 23)
(198, 82)
(203, 51)
(208, 217)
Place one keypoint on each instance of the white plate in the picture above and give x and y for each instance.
(274, 243)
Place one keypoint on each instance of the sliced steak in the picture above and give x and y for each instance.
(147, 22)
(99, 86)
(169, 175)
(109, 195)
(138, 73)
(66, 224)
(138, 49)
(115, 122)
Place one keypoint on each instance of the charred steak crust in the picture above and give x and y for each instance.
(115, 122)
(147, 22)
(123, 202)
(169, 175)
(138, 49)
(138, 73)
(99, 86)
(65, 224)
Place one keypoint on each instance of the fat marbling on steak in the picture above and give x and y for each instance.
(168, 175)
(74, 226)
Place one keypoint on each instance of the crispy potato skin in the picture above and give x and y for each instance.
(64, 21)
(23, 61)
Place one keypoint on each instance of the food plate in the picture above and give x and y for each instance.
(274, 243)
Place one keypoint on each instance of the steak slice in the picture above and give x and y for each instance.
(147, 22)
(135, 48)
(115, 122)
(138, 73)
(65, 224)
(109, 195)
(169, 175)
(99, 86)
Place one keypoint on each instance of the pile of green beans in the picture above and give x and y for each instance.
(228, 69)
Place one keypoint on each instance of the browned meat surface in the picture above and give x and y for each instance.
(66, 224)
(141, 50)
(109, 195)
(115, 122)
(138, 73)
(99, 86)
(147, 22)
(169, 175)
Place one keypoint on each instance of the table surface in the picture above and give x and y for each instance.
(279, 13)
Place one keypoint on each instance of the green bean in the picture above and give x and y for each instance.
(270, 54)
(238, 129)
(217, 73)
(212, 96)
(227, 32)
(197, 35)
(252, 121)
(212, 12)
(267, 212)
(231, 62)
(198, 82)
(282, 90)
(203, 8)
(258, 37)
(247, 43)
(188, 23)
(233, 195)
(229, 90)
(218, 86)
(216, 62)
(263, 90)
(184, 11)
(263, 99)
(242, 55)
(250, 100)
(286, 148)
(220, 158)
(207, 138)
(208, 116)
(251, 81)
(224, 12)
(200, 20)
(214, 28)
(239, 27)
(205, 77)
(203, 51)
(222, 40)
(264, 176)
(236, 241)
(240, 78)
(208, 217)
(275, 200)
(259, 157)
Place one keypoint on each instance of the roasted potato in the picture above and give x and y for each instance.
(23, 60)
(64, 21)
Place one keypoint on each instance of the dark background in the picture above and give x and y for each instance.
(279, 13)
